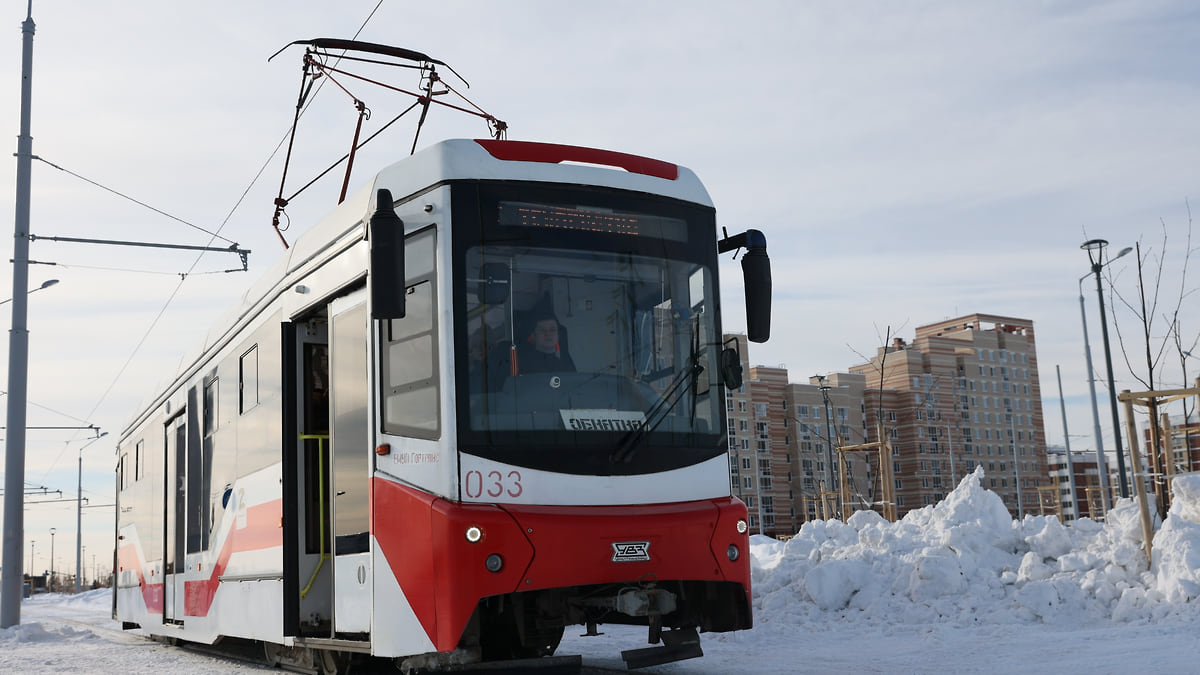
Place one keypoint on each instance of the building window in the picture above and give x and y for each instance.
(801, 411)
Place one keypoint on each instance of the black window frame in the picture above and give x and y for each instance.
(660, 451)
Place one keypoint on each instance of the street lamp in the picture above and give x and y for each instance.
(1095, 250)
(45, 284)
(50, 585)
(829, 476)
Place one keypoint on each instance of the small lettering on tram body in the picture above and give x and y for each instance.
(416, 458)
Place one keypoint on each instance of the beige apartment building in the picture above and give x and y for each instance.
(964, 393)
(826, 415)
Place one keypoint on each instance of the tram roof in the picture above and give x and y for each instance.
(445, 161)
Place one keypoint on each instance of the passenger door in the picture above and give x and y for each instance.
(175, 520)
(350, 441)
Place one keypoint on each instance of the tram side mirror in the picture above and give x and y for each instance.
(756, 272)
(493, 289)
(731, 368)
(385, 231)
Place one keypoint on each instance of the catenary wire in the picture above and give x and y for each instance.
(179, 286)
(135, 201)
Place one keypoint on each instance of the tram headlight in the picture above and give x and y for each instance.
(733, 553)
(473, 534)
(741, 526)
(494, 563)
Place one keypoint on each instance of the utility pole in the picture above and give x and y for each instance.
(18, 354)
(1067, 442)
(79, 526)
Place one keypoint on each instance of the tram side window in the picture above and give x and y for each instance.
(139, 460)
(121, 484)
(410, 354)
(248, 382)
(211, 419)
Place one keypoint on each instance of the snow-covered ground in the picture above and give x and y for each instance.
(955, 587)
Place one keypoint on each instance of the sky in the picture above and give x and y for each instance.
(955, 587)
(908, 162)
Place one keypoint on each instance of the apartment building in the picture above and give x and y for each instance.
(964, 393)
(1081, 471)
(825, 415)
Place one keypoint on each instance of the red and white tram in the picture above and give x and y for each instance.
(448, 424)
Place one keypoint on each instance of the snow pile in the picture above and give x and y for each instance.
(965, 561)
(36, 632)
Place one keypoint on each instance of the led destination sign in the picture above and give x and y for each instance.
(588, 219)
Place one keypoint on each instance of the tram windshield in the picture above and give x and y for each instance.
(589, 334)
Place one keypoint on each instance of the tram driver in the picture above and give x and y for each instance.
(543, 351)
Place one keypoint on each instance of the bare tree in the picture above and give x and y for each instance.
(1146, 311)
(1163, 332)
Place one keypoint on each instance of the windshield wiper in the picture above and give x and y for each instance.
(633, 440)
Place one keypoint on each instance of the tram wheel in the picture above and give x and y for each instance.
(502, 631)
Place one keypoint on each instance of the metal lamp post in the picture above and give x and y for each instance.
(1095, 250)
(79, 516)
(50, 585)
(829, 475)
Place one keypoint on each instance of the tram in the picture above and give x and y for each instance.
(480, 401)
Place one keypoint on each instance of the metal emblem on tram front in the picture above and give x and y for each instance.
(631, 551)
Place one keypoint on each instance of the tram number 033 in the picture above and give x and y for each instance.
(493, 484)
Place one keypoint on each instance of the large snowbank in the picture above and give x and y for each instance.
(957, 587)
(965, 560)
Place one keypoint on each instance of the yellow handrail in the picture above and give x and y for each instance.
(320, 439)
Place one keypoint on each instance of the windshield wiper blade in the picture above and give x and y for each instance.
(632, 441)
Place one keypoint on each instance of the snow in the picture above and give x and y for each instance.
(954, 587)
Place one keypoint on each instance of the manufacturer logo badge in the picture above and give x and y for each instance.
(631, 551)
